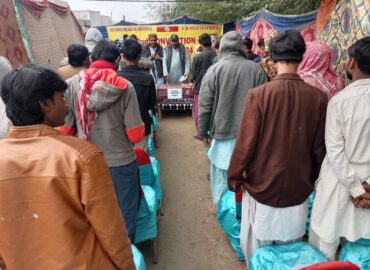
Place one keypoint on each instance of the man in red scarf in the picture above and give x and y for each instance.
(104, 110)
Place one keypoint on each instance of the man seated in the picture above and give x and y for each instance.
(58, 209)
(279, 150)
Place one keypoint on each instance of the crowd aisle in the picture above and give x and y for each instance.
(189, 237)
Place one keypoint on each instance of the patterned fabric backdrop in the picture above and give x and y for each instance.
(262, 28)
(50, 31)
(348, 22)
(260, 25)
(11, 43)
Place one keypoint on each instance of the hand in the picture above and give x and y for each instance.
(366, 186)
(167, 78)
(157, 57)
(152, 57)
(207, 142)
(237, 188)
(362, 201)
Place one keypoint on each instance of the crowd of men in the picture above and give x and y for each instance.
(69, 181)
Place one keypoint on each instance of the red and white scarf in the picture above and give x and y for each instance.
(88, 78)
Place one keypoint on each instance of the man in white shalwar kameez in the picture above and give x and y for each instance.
(343, 190)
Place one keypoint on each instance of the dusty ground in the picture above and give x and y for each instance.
(189, 237)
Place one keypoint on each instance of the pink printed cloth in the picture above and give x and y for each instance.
(317, 70)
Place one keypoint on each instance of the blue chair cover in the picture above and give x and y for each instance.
(138, 258)
(157, 175)
(146, 227)
(226, 215)
(357, 252)
(285, 257)
(155, 122)
(147, 176)
(151, 148)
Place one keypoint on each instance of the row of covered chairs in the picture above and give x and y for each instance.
(151, 194)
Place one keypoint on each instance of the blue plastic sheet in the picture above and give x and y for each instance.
(146, 227)
(310, 205)
(157, 178)
(138, 258)
(147, 177)
(357, 252)
(151, 149)
(285, 257)
(226, 217)
(155, 122)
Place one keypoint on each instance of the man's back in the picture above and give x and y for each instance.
(201, 64)
(287, 119)
(223, 89)
(117, 116)
(145, 91)
(57, 205)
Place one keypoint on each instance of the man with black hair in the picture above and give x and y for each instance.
(279, 150)
(78, 59)
(143, 83)
(57, 204)
(342, 194)
(105, 111)
(176, 62)
(247, 46)
(201, 63)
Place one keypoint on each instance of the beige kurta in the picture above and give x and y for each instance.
(346, 166)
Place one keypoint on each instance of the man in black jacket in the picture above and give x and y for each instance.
(143, 83)
(201, 63)
(154, 52)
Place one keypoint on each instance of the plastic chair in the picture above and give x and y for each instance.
(227, 218)
(285, 256)
(146, 228)
(138, 258)
(357, 252)
(331, 266)
(150, 173)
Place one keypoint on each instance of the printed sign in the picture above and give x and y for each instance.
(174, 93)
(188, 33)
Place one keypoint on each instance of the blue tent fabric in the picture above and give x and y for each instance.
(226, 215)
(125, 23)
(278, 22)
(138, 258)
(103, 30)
(285, 257)
(357, 252)
(182, 20)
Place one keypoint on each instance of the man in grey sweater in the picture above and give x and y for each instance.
(222, 95)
